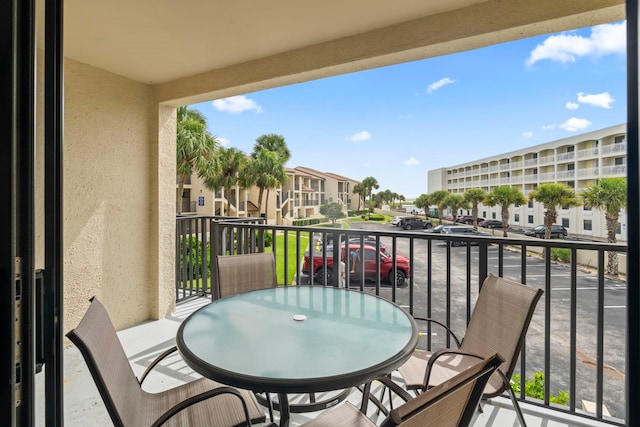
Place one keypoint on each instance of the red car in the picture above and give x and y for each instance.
(371, 258)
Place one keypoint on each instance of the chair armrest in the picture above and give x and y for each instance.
(199, 398)
(428, 319)
(440, 353)
(155, 362)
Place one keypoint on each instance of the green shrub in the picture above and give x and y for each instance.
(561, 254)
(376, 217)
(191, 256)
(535, 388)
(268, 239)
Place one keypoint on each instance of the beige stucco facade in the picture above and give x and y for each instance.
(125, 73)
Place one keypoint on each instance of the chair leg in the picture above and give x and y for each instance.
(512, 395)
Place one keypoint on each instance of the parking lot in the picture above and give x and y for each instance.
(559, 304)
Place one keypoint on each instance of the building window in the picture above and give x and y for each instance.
(516, 218)
(586, 206)
(565, 222)
(530, 219)
(618, 139)
(587, 226)
(484, 214)
(571, 167)
(619, 161)
(530, 204)
(570, 149)
(493, 215)
(618, 229)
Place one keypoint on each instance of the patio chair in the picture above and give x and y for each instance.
(200, 402)
(246, 272)
(499, 323)
(450, 404)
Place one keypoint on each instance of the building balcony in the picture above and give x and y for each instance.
(565, 157)
(619, 148)
(568, 174)
(616, 170)
(546, 160)
(565, 339)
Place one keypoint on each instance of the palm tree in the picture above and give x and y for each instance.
(270, 154)
(436, 199)
(225, 173)
(505, 196)
(369, 183)
(195, 147)
(361, 191)
(552, 195)
(454, 202)
(402, 199)
(609, 195)
(422, 202)
(474, 196)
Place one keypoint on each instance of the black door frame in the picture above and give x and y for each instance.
(28, 343)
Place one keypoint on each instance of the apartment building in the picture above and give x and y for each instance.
(300, 197)
(576, 161)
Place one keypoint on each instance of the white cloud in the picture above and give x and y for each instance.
(572, 105)
(574, 124)
(411, 162)
(603, 100)
(223, 141)
(527, 134)
(236, 104)
(566, 47)
(437, 85)
(548, 127)
(360, 136)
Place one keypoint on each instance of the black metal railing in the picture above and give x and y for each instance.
(581, 307)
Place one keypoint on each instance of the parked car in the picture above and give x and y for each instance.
(397, 220)
(368, 240)
(490, 223)
(468, 219)
(371, 258)
(436, 229)
(415, 222)
(539, 231)
(462, 231)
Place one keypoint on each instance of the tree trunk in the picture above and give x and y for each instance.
(266, 206)
(474, 214)
(612, 261)
(260, 193)
(505, 220)
(180, 191)
(550, 217)
(224, 198)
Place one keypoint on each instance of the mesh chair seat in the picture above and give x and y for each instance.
(450, 404)
(498, 325)
(201, 402)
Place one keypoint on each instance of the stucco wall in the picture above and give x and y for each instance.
(110, 196)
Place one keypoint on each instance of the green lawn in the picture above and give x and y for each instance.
(291, 255)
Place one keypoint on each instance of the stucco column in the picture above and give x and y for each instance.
(162, 281)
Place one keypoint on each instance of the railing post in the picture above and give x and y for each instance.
(215, 250)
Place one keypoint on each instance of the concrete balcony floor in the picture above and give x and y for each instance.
(144, 342)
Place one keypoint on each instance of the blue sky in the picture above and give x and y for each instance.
(395, 123)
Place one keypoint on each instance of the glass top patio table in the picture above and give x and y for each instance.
(297, 339)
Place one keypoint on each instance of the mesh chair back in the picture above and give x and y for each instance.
(246, 272)
(450, 404)
(98, 342)
(499, 323)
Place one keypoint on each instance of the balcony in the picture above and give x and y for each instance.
(616, 170)
(580, 306)
(619, 148)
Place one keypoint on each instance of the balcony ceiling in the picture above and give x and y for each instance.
(207, 45)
